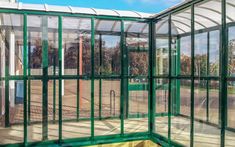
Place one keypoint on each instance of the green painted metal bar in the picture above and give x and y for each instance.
(60, 40)
(152, 97)
(170, 80)
(45, 79)
(192, 77)
(92, 75)
(78, 80)
(138, 87)
(54, 84)
(25, 77)
(178, 72)
(54, 81)
(29, 74)
(122, 44)
(100, 72)
(7, 112)
(208, 74)
(126, 77)
(224, 69)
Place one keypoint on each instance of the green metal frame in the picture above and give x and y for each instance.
(173, 75)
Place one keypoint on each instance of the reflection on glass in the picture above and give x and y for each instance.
(200, 58)
(107, 48)
(185, 55)
(76, 53)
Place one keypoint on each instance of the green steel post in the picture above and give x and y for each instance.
(208, 74)
(7, 118)
(122, 44)
(25, 79)
(45, 78)
(100, 81)
(7, 63)
(54, 85)
(78, 80)
(224, 68)
(60, 40)
(29, 74)
(92, 75)
(178, 69)
(125, 76)
(152, 69)
(170, 80)
(192, 78)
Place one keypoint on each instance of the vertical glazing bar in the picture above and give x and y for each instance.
(223, 72)
(151, 79)
(170, 80)
(100, 81)
(60, 77)
(92, 74)
(208, 74)
(29, 74)
(178, 69)
(54, 85)
(45, 78)
(122, 44)
(192, 78)
(7, 63)
(78, 80)
(25, 79)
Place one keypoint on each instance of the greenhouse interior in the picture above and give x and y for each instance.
(73, 76)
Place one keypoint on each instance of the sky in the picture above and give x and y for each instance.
(148, 6)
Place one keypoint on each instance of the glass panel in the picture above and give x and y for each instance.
(107, 48)
(53, 109)
(161, 120)
(229, 141)
(213, 102)
(230, 132)
(137, 106)
(109, 114)
(185, 97)
(11, 92)
(34, 110)
(12, 32)
(137, 46)
(76, 104)
(12, 129)
(53, 60)
(200, 99)
(200, 58)
(162, 47)
(180, 119)
(76, 53)
(185, 55)
(231, 51)
(34, 24)
(214, 49)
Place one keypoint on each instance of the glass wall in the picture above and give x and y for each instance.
(137, 47)
(11, 64)
(67, 77)
(230, 121)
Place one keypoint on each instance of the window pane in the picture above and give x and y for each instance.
(107, 48)
(76, 53)
(162, 47)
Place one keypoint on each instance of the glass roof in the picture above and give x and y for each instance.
(70, 9)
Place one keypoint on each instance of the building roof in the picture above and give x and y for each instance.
(74, 10)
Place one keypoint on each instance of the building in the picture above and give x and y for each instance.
(74, 76)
